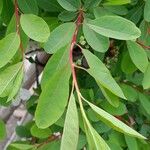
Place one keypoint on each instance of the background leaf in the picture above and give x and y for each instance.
(70, 5)
(145, 102)
(146, 80)
(131, 142)
(146, 11)
(40, 133)
(28, 6)
(138, 55)
(2, 130)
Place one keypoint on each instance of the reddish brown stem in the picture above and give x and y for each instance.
(50, 139)
(144, 46)
(73, 42)
(18, 26)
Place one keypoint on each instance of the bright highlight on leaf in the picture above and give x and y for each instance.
(35, 27)
(117, 2)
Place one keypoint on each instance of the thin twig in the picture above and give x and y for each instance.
(18, 26)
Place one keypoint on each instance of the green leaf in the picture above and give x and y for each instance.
(2, 130)
(146, 11)
(1, 6)
(101, 11)
(111, 98)
(71, 127)
(131, 142)
(92, 115)
(58, 61)
(114, 122)
(70, 5)
(28, 6)
(145, 36)
(117, 2)
(116, 111)
(114, 137)
(95, 40)
(95, 141)
(40, 133)
(51, 104)
(23, 37)
(16, 85)
(8, 75)
(51, 146)
(101, 74)
(49, 5)
(145, 102)
(130, 93)
(135, 14)
(114, 146)
(111, 26)
(22, 146)
(91, 3)
(119, 10)
(23, 131)
(127, 65)
(138, 55)
(67, 16)
(146, 80)
(35, 27)
(60, 37)
(8, 47)
(7, 11)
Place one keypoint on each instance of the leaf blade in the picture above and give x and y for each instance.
(111, 26)
(60, 37)
(146, 80)
(95, 40)
(71, 127)
(101, 74)
(114, 122)
(8, 47)
(35, 27)
(138, 55)
(55, 100)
